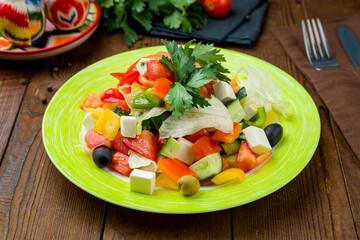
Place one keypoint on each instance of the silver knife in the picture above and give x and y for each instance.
(350, 44)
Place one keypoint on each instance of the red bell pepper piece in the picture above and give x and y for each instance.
(127, 78)
(174, 169)
(112, 95)
(205, 146)
(196, 136)
(161, 87)
(246, 159)
(227, 137)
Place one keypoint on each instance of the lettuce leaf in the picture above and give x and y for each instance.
(214, 116)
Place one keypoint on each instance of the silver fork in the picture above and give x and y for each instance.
(317, 47)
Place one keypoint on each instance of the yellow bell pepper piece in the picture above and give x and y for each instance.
(231, 174)
(109, 105)
(270, 118)
(165, 182)
(108, 124)
(95, 113)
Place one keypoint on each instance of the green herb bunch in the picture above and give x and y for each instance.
(193, 67)
(118, 14)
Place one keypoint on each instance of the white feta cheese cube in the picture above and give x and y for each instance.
(185, 153)
(250, 110)
(88, 122)
(141, 65)
(142, 181)
(128, 126)
(224, 92)
(257, 140)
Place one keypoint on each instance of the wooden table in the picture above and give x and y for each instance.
(37, 202)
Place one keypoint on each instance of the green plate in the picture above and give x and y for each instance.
(62, 124)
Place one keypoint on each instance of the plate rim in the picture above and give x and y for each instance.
(62, 45)
(149, 209)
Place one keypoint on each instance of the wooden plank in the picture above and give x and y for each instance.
(314, 205)
(132, 224)
(36, 201)
(13, 84)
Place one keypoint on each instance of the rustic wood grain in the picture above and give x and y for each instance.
(12, 87)
(37, 202)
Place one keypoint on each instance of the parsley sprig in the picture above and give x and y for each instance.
(189, 79)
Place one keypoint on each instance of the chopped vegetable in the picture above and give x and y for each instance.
(119, 145)
(262, 158)
(204, 146)
(161, 87)
(228, 175)
(120, 164)
(163, 181)
(138, 99)
(215, 116)
(246, 160)
(208, 166)
(94, 139)
(137, 160)
(92, 100)
(196, 136)
(174, 169)
(220, 136)
(108, 124)
(145, 144)
(183, 93)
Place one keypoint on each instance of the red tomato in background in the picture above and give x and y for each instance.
(217, 8)
(120, 163)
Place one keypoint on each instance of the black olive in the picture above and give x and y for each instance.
(102, 156)
(274, 133)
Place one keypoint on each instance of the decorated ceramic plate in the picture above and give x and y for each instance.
(53, 42)
(62, 125)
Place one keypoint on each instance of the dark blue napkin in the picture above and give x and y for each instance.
(234, 28)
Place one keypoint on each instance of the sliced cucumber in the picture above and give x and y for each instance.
(236, 111)
(259, 119)
(170, 148)
(208, 166)
(241, 93)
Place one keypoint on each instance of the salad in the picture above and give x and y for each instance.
(177, 121)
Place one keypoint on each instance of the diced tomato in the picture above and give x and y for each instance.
(161, 142)
(120, 163)
(92, 100)
(119, 145)
(127, 78)
(260, 159)
(156, 70)
(196, 136)
(145, 144)
(112, 95)
(204, 146)
(122, 104)
(161, 87)
(146, 82)
(174, 169)
(204, 92)
(227, 137)
(94, 139)
(246, 159)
